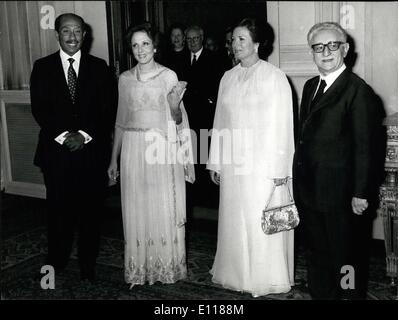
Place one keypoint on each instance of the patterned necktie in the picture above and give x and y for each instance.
(193, 60)
(72, 80)
(319, 93)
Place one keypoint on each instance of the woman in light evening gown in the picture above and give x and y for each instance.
(252, 148)
(153, 140)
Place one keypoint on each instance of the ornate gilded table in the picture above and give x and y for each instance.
(388, 209)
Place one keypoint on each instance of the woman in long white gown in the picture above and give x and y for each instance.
(153, 141)
(252, 149)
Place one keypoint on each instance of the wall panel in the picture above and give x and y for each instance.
(19, 134)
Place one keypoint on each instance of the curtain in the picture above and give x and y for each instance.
(26, 34)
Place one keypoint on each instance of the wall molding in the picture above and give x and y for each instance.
(11, 185)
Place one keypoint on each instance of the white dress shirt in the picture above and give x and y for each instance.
(65, 65)
(65, 62)
(331, 77)
(196, 54)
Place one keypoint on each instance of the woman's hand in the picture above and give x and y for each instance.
(174, 97)
(113, 172)
(215, 177)
(180, 87)
(174, 101)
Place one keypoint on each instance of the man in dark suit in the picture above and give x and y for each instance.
(73, 99)
(230, 60)
(335, 166)
(203, 74)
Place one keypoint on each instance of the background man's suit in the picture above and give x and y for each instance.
(200, 99)
(335, 160)
(75, 181)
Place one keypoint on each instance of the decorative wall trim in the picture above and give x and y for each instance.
(368, 76)
(26, 189)
(296, 60)
(11, 184)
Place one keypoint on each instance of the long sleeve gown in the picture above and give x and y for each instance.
(252, 143)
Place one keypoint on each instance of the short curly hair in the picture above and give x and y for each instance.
(196, 28)
(57, 22)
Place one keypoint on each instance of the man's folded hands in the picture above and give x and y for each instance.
(74, 141)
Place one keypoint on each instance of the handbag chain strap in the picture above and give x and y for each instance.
(273, 189)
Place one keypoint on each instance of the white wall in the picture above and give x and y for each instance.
(372, 25)
(384, 61)
(94, 13)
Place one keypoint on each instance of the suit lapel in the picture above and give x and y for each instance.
(202, 56)
(334, 91)
(59, 77)
(82, 77)
(200, 60)
(306, 102)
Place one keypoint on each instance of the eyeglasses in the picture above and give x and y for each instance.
(193, 39)
(332, 46)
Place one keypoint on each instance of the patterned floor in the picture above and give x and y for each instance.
(23, 253)
(23, 257)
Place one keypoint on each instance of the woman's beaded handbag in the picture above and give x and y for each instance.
(281, 218)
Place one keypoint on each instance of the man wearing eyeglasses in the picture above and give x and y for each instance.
(334, 167)
(203, 75)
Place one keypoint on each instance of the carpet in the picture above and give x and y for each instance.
(23, 256)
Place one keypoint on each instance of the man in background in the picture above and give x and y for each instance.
(203, 75)
(230, 61)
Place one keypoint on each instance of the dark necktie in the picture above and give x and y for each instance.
(319, 93)
(193, 60)
(72, 80)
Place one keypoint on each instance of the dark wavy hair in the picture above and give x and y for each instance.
(143, 27)
(256, 29)
(262, 33)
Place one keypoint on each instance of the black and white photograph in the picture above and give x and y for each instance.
(203, 155)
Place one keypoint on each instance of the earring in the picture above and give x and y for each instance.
(154, 50)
